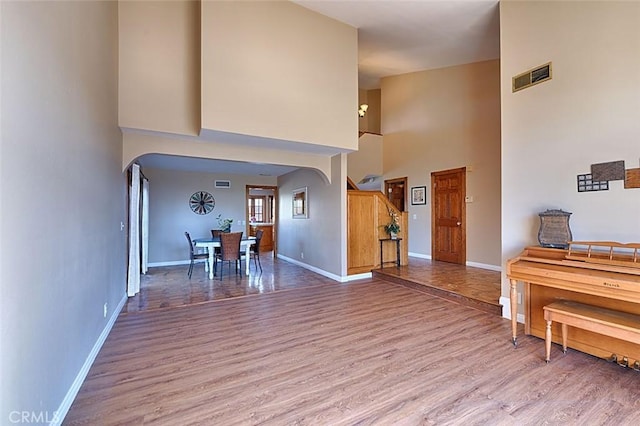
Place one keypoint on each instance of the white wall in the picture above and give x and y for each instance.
(170, 215)
(371, 120)
(278, 70)
(444, 119)
(588, 113)
(240, 76)
(237, 81)
(159, 61)
(62, 196)
(137, 144)
(321, 237)
(367, 160)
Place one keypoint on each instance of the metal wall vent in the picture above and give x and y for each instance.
(226, 184)
(532, 77)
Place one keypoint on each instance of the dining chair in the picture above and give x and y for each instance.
(255, 249)
(215, 233)
(195, 256)
(229, 251)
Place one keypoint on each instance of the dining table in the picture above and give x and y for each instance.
(211, 243)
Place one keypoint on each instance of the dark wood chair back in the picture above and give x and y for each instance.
(256, 247)
(229, 250)
(191, 251)
(230, 245)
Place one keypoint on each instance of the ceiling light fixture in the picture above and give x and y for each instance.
(363, 110)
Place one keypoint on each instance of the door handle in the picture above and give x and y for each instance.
(458, 223)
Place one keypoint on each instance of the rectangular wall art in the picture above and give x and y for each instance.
(587, 184)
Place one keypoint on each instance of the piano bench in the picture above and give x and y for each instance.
(620, 325)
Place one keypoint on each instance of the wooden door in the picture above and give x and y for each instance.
(448, 211)
(396, 192)
(362, 240)
(268, 214)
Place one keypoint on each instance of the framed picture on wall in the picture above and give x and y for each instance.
(300, 203)
(418, 195)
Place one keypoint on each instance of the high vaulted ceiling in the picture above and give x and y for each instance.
(398, 36)
(394, 37)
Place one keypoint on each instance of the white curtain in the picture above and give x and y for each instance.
(145, 225)
(133, 276)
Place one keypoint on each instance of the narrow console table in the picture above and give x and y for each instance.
(397, 261)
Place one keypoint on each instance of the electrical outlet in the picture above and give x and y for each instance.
(301, 255)
(104, 311)
(519, 298)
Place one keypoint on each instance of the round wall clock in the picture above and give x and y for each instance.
(202, 202)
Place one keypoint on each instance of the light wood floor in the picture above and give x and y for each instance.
(475, 287)
(169, 287)
(367, 352)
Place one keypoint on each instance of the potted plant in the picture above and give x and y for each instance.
(224, 224)
(392, 228)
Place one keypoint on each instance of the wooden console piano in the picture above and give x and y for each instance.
(602, 274)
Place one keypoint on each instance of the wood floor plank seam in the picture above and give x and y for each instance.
(335, 354)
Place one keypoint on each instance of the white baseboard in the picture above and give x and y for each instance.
(63, 409)
(285, 258)
(171, 263)
(473, 264)
(506, 310)
(314, 269)
(420, 255)
(485, 266)
(355, 277)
